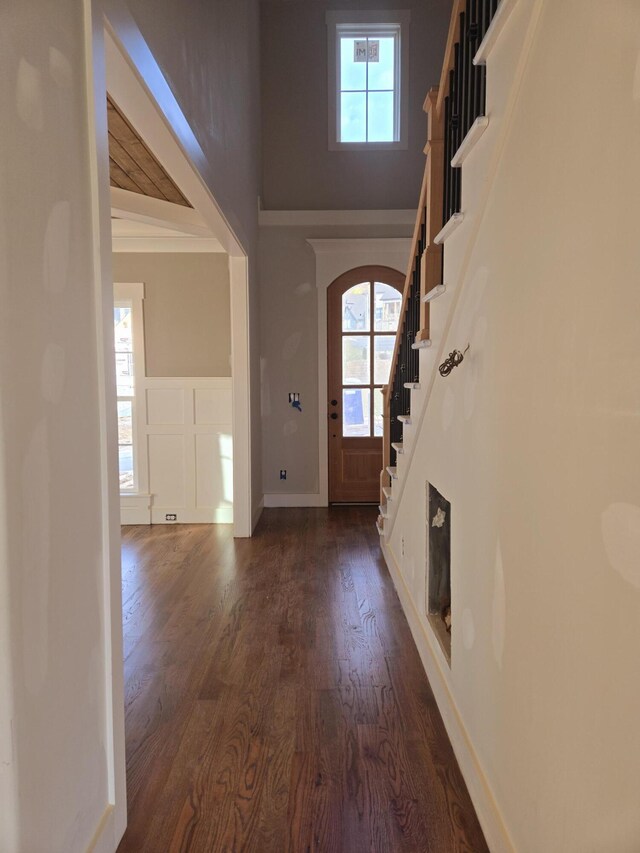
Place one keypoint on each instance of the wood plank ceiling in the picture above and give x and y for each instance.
(132, 166)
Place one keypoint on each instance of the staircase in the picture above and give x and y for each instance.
(456, 121)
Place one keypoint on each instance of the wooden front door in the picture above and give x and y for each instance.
(362, 318)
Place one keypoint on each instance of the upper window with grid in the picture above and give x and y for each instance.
(368, 97)
(367, 80)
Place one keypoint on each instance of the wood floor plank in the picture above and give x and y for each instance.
(275, 699)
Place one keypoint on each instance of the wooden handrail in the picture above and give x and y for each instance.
(407, 282)
(431, 274)
(452, 109)
(430, 213)
(429, 216)
(449, 52)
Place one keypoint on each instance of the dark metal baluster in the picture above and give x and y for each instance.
(472, 37)
(412, 331)
(415, 293)
(452, 143)
(482, 89)
(447, 171)
(454, 91)
(416, 366)
(464, 60)
(487, 14)
(457, 126)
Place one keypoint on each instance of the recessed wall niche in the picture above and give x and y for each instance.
(439, 567)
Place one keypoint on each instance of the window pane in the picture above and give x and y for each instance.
(380, 117)
(125, 422)
(386, 307)
(124, 374)
(381, 73)
(382, 355)
(377, 411)
(123, 337)
(355, 308)
(353, 75)
(356, 412)
(123, 332)
(126, 466)
(355, 360)
(353, 120)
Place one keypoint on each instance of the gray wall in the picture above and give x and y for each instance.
(289, 351)
(299, 172)
(187, 329)
(209, 53)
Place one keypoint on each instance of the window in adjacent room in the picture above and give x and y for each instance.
(367, 80)
(129, 358)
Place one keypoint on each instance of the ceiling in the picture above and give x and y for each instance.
(132, 166)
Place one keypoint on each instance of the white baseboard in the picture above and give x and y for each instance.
(108, 833)
(210, 515)
(135, 509)
(289, 500)
(489, 815)
(257, 512)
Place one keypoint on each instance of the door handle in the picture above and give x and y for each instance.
(333, 416)
(334, 402)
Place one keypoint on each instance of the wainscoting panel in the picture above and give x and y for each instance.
(212, 405)
(165, 406)
(167, 470)
(188, 442)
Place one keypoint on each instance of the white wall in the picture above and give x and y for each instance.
(534, 438)
(56, 747)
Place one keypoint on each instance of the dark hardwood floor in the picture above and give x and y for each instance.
(275, 700)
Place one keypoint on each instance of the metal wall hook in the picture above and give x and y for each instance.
(454, 359)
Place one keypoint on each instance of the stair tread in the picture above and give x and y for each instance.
(436, 291)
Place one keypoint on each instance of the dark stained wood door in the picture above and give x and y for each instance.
(363, 307)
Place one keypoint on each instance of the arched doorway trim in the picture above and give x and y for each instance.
(333, 258)
(363, 311)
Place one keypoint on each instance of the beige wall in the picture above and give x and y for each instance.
(289, 350)
(187, 323)
(534, 438)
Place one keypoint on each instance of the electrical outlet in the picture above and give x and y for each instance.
(171, 516)
(402, 545)
(294, 400)
(283, 474)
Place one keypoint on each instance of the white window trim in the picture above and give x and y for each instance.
(368, 23)
(132, 293)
